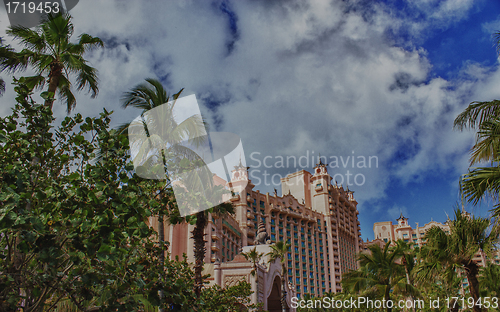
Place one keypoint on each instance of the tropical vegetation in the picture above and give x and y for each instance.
(54, 58)
(74, 232)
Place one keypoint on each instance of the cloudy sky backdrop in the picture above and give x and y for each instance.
(293, 78)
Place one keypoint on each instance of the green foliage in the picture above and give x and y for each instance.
(74, 231)
(50, 53)
(489, 279)
(62, 215)
(231, 299)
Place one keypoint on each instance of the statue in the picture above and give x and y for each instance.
(262, 238)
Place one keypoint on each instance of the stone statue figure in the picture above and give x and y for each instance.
(262, 237)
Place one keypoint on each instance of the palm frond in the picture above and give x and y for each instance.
(487, 142)
(479, 182)
(476, 113)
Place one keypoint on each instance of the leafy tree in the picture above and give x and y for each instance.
(73, 231)
(468, 235)
(379, 276)
(71, 228)
(435, 275)
(231, 299)
(279, 250)
(48, 50)
(489, 279)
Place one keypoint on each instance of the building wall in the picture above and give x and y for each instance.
(319, 220)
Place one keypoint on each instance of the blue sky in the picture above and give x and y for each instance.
(355, 78)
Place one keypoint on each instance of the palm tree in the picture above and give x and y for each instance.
(379, 275)
(480, 182)
(166, 134)
(152, 95)
(484, 116)
(489, 279)
(254, 257)
(279, 250)
(408, 256)
(48, 50)
(434, 274)
(212, 194)
(199, 241)
(468, 236)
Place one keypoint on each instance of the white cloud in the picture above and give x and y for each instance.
(292, 77)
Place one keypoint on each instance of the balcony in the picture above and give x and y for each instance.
(249, 198)
(235, 197)
(249, 215)
(318, 188)
(215, 248)
(215, 237)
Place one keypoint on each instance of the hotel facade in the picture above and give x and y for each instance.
(317, 217)
(386, 231)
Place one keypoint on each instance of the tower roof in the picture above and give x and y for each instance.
(401, 217)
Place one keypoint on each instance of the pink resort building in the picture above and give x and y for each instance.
(319, 219)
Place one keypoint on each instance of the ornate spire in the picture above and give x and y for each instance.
(401, 217)
(320, 163)
(240, 165)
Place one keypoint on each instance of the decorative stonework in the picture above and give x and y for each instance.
(232, 280)
(260, 290)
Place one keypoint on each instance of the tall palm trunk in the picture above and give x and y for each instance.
(199, 251)
(472, 270)
(283, 288)
(408, 280)
(54, 75)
